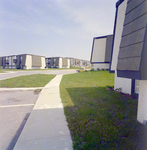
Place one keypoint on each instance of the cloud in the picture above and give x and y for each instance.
(91, 16)
(56, 27)
(60, 16)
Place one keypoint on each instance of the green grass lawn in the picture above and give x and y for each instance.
(1, 71)
(72, 67)
(7, 70)
(99, 118)
(35, 80)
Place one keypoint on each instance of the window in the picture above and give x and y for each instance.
(49, 61)
(20, 59)
(15, 61)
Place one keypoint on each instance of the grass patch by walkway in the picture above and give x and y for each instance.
(99, 118)
(17, 70)
(1, 71)
(34, 80)
(7, 70)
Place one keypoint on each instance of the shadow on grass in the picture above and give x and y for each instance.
(103, 119)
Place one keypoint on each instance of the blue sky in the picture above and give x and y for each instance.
(54, 27)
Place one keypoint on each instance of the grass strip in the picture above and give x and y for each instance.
(17, 70)
(99, 118)
(7, 70)
(34, 80)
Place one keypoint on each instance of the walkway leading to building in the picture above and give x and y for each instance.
(46, 128)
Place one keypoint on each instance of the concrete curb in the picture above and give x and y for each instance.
(20, 89)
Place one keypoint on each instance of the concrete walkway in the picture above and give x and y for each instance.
(46, 128)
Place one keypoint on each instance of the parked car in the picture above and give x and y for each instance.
(82, 69)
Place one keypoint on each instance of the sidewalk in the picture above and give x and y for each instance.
(46, 128)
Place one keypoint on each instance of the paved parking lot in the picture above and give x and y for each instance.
(15, 108)
(20, 73)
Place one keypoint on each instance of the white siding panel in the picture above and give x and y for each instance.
(28, 62)
(43, 63)
(118, 33)
(142, 102)
(123, 84)
(137, 82)
(99, 50)
(68, 61)
(101, 66)
(10, 60)
(14, 57)
(60, 62)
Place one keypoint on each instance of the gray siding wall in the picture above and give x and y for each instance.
(3, 62)
(18, 60)
(85, 63)
(74, 61)
(131, 58)
(108, 48)
(24, 59)
(64, 62)
(48, 62)
(36, 61)
(54, 63)
(21, 63)
(77, 62)
(0, 61)
(71, 61)
(9, 63)
(143, 64)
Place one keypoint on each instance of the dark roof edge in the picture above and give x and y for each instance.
(99, 62)
(119, 2)
(92, 50)
(129, 74)
(114, 30)
(100, 37)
